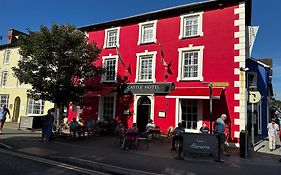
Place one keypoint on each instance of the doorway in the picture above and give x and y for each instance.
(16, 110)
(143, 112)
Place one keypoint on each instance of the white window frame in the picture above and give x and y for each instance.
(101, 105)
(104, 59)
(139, 56)
(41, 105)
(4, 78)
(178, 114)
(106, 37)
(7, 55)
(200, 63)
(6, 101)
(200, 25)
(141, 26)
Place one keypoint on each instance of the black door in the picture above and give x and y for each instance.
(143, 113)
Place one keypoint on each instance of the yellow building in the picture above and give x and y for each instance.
(12, 92)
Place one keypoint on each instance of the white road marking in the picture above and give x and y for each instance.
(54, 163)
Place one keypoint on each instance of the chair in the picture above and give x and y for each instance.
(143, 138)
(167, 136)
(131, 140)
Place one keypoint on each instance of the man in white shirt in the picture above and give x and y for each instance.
(150, 125)
(273, 129)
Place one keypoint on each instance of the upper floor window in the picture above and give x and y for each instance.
(111, 38)
(110, 64)
(191, 25)
(4, 99)
(252, 80)
(190, 63)
(35, 106)
(146, 66)
(147, 32)
(7, 56)
(4, 78)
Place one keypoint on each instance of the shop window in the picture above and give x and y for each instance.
(189, 114)
(108, 107)
(35, 106)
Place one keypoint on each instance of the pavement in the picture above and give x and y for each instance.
(103, 153)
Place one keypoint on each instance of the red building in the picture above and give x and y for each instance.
(164, 61)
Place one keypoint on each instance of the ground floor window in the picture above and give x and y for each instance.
(189, 113)
(4, 99)
(108, 107)
(35, 106)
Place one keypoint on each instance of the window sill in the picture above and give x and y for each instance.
(111, 47)
(189, 37)
(197, 80)
(151, 42)
(109, 81)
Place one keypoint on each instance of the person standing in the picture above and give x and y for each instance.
(177, 136)
(4, 111)
(220, 129)
(273, 129)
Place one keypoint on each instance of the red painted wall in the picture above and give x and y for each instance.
(218, 61)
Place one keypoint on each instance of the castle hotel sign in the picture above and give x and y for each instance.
(146, 88)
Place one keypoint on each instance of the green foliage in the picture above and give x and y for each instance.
(55, 61)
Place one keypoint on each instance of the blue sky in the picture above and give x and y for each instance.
(23, 14)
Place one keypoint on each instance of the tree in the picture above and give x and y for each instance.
(55, 62)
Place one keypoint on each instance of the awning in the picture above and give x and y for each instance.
(195, 93)
(100, 92)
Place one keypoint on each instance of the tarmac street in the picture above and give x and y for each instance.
(103, 154)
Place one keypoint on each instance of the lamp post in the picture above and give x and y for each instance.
(243, 74)
(211, 106)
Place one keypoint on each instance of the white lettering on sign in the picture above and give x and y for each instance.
(195, 146)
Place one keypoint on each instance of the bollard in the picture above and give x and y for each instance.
(19, 124)
(219, 149)
(180, 148)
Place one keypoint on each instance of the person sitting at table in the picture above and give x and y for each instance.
(132, 135)
(81, 128)
(204, 129)
(90, 126)
(177, 135)
(150, 126)
(73, 127)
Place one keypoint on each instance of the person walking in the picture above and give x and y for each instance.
(273, 129)
(4, 111)
(47, 126)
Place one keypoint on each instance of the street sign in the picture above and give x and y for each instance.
(254, 96)
(219, 84)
